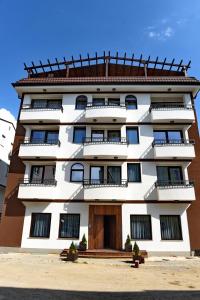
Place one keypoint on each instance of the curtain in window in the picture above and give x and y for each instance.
(114, 174)
(79, 135)
(40, 225)
(132, 135)
(170, 228)
(134, 173)
(69, 225)
(141, 227)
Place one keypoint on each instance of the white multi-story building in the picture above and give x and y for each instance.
(7, 134)
(106, 155)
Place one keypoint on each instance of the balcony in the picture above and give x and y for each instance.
(174, 148)
(175, 191)
(104, 190)
(45, 113)
(105, 113)
(39, 148)
(105, 147)
(36, 189)
(171, 113)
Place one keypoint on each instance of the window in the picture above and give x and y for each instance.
(42, 136)
(168, 136)
(40, 225)
(42, 175)
(131, 102)
(43, 103)
(170, 227)
(96, 174)
(81, 102)
(79, 135)
(77, 173)
(169, 175)
(98, 101)
(132, 135)
(69, 226)
(141, 227)
(113, 101)
(114, 135)
(134, 173)
(97, 135)
(114, 174)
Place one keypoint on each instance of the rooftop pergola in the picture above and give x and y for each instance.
(100, 66)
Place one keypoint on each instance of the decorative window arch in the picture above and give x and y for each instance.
(131, 102)
(77, 173)
(81, 102)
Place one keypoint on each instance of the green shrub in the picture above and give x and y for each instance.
(136, 249)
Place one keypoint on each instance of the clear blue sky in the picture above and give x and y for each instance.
(41, 29)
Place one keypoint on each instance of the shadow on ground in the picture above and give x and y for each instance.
(9, 293)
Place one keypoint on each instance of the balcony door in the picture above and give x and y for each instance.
(168, 136)
(96, 174)
(97, 135)
(42, 174)
(98, 101)
(169, 175)
(114, 174)
(114, 135)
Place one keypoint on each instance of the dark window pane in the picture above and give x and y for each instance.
(169, 175)
(114, 135)
(77, 173)
(131, 102)
(40, 225)
(134, 174)
(54, 103)
(162, 174)
(39, 103)
(81, 102)
(37, 136)
(69, 226)
(49, 173)
(175, 174)
(132, 135)
(37, 174)
(141, 227)
(170, 228)
(79, 135)
(98, 101)
(114, 102)
(97, 174)
(52, 137)
(114, 174)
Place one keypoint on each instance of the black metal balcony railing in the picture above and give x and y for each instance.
(49, 142)
(42, 107)
(43, 182)
(167, 106)
(174, 183)
(177, 142)
(92, 140)
(106, 105)
(105, 182)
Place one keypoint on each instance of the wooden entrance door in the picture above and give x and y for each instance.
(105, 227)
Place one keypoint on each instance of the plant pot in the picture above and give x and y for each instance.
(82, 247)
(72, 256)
(137, 257)
(128, 248)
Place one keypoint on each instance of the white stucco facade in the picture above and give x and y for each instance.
(66, 196)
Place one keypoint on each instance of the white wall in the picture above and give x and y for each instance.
(155, 210)
(53, 242)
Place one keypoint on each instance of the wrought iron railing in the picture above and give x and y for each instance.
(32, 141)
(42, 107)
(106, 105)
(103, 140)
(170, 142)
(174, 183)
(105, 182)
(169, 106)
(44, 182)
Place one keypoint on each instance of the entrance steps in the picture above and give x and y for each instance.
(104, 253)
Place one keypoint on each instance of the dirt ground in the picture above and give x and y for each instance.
(33, 276)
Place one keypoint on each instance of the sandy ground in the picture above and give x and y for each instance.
(33, 276)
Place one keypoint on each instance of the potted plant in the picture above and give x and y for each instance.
(128, 245)
(136, 252)
(83, 244)
(72, 254)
